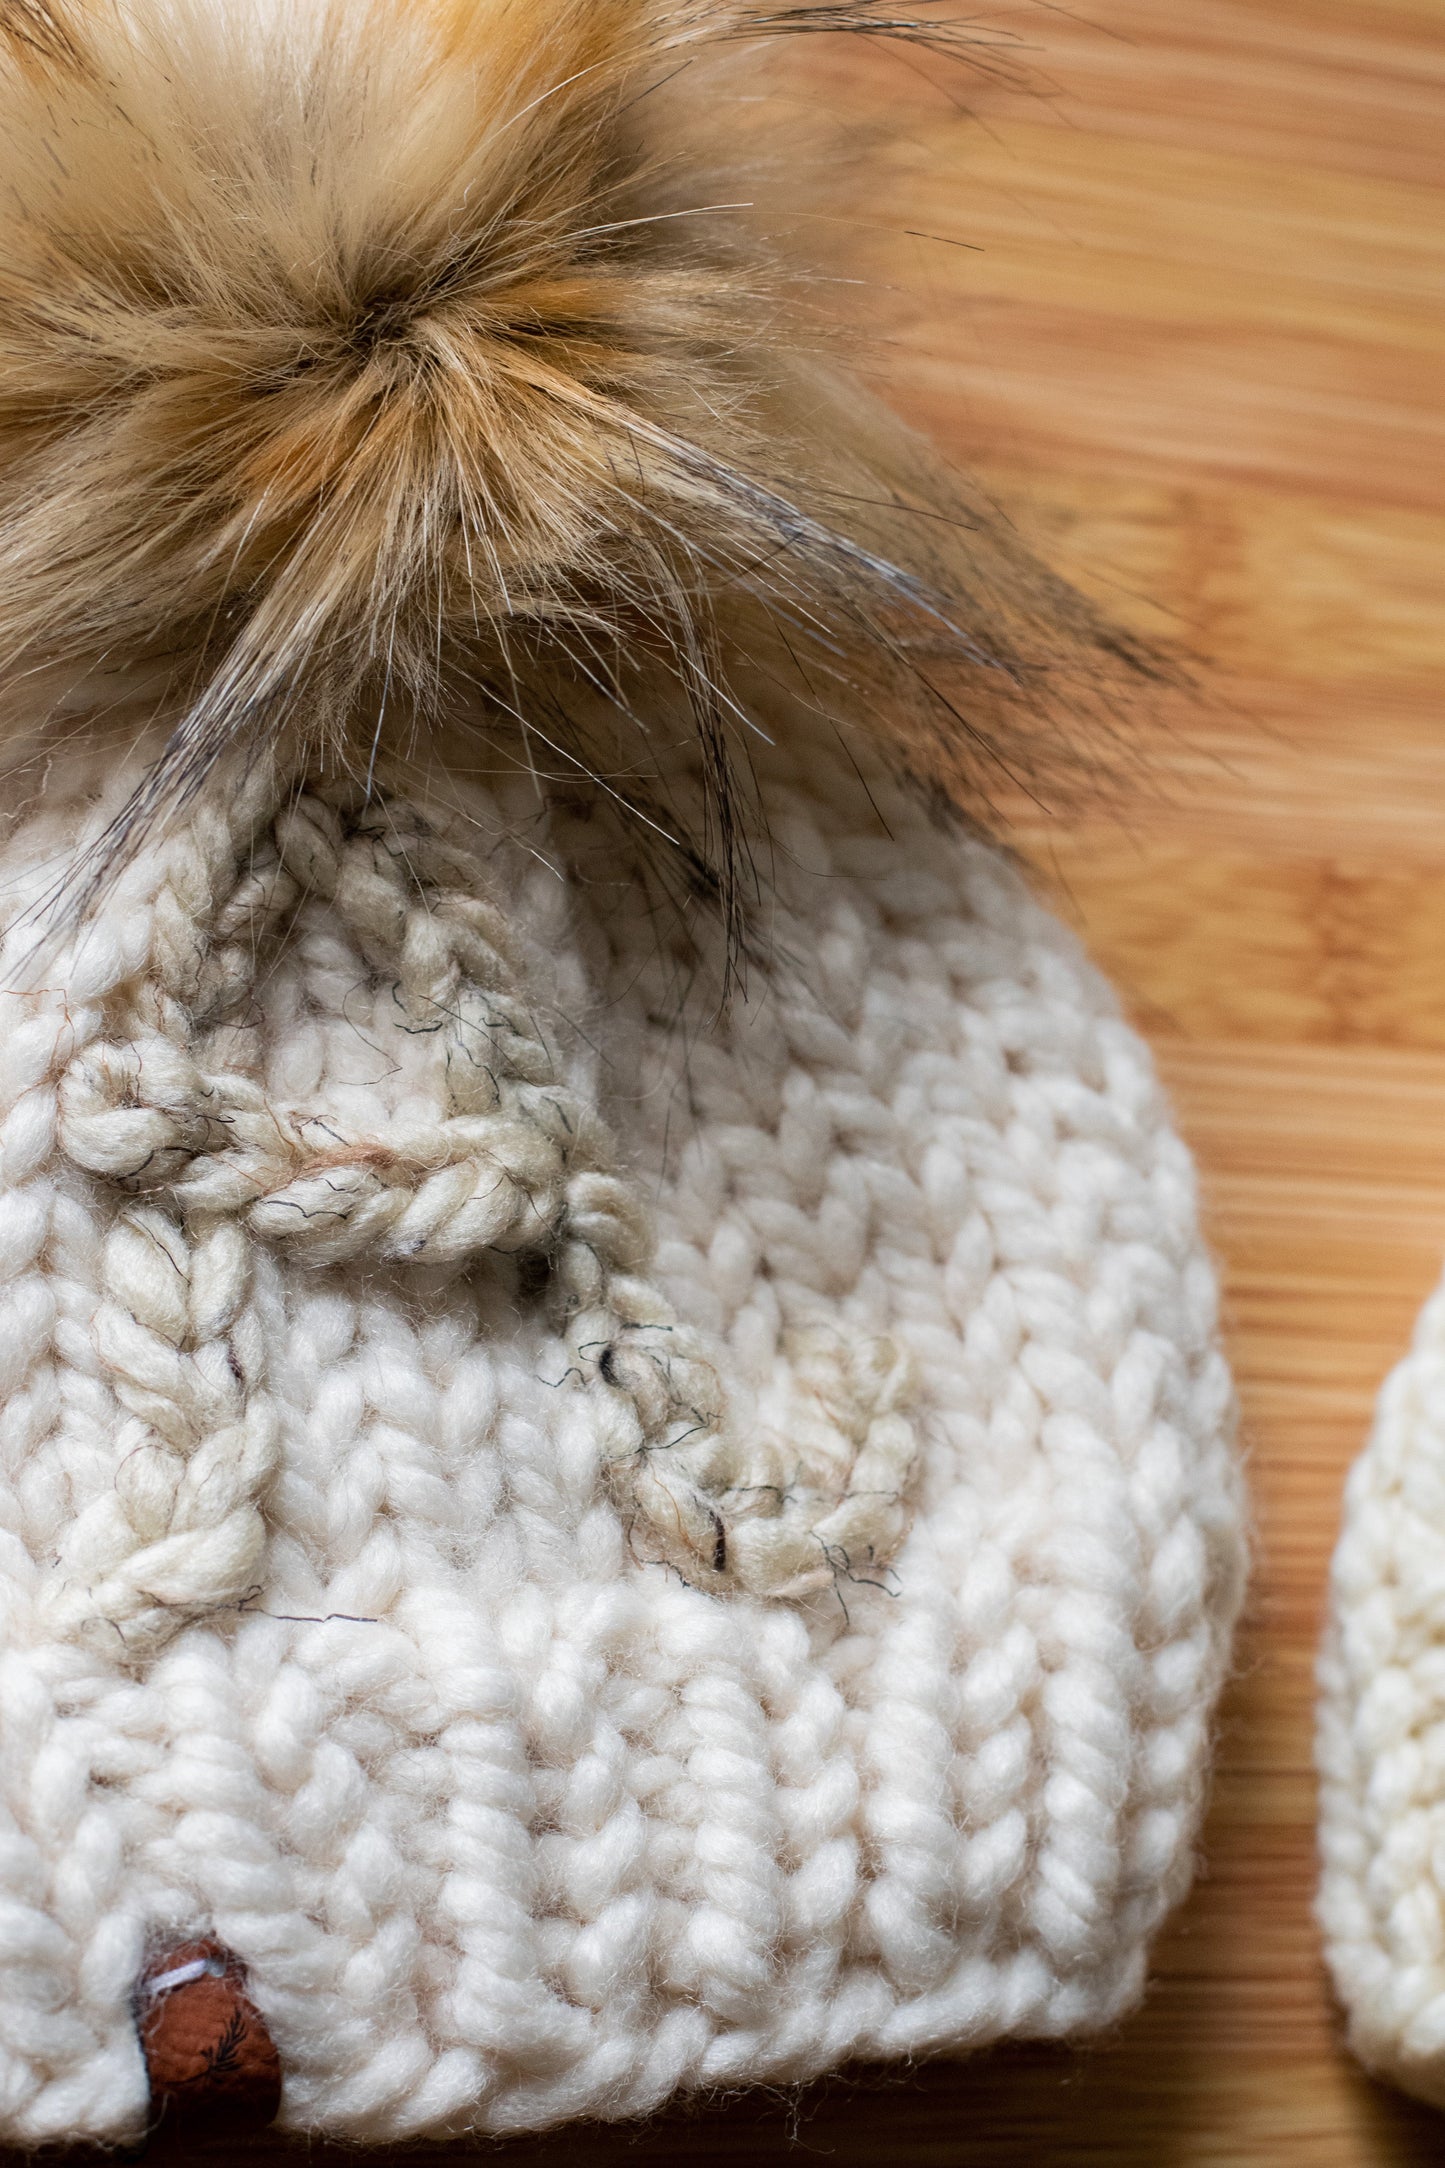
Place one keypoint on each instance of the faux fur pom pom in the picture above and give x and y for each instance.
(368, 364)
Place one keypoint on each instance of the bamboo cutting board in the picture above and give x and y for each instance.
(1197, 345)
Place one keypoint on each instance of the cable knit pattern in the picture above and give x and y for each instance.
(1381, 1735)
(612, 1660)
(507, 1159)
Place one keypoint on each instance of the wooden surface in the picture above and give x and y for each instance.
(1201, 351)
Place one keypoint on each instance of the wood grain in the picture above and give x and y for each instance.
(1197, 347)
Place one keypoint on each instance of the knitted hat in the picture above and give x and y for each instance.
(565, 1664)
(615, 1472)
(1382, 1731)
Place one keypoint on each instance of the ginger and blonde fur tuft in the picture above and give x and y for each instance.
(361, 360)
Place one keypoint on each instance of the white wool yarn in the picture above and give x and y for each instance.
(598, 1549)
(1381, 1733)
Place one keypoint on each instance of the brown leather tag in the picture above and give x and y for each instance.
(205, 2044)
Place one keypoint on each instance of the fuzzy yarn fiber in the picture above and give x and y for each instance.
(598, 1550)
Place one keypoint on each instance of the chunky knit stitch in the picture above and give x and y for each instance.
(1382, 1731)
(597, 1550)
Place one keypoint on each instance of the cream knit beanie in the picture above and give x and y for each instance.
(615, 1469)
(1381, 1737)
(566, 1663)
